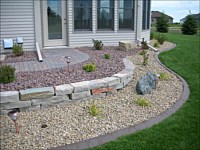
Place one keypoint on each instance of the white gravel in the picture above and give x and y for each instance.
(72, 122)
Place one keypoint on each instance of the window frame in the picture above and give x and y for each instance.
(146, 10)
(112, 10)
(132, 8)
(91, 17)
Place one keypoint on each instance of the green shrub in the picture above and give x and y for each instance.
(142, 102)
(7, 74)
(98, 45)
(17, 49)
(94, 110)
(107, 56)
(156, 44)
(143, 52)
(161, 38)
(162, 23)
(152, 36)
(189, 26)
(89, 67)
(164, 76)
(144, 44)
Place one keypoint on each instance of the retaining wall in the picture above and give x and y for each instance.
(30, 99)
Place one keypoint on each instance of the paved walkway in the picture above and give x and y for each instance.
(52, 59)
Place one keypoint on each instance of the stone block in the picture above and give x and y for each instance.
(2, 57)
(96, 84)
(49, 101)
(63, 89)
(128, 64)
(19, 104)
(112, 81)
(122, 77)
(80, 86)
(127, 71)
(80, 95)
(9, 96)
(119, 86)
(98, 96)
(101, 90)
(126, 82)
(127, 45)
(36, 93)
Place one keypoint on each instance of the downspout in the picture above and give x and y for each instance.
(136, 29)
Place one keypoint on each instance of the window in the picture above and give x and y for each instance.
(146, 15)
(83, 15)
(126, 14)
(105, 14)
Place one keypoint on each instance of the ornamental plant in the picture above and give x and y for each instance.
(98, 45)
(142, 102)
(7, 74)
(162, 24)
(156, 44)
(164, 76)
(161, 38)
(144, 44)
(107, 56)
(94, 110)
(17, 50)
(189, 26)
(89, 67)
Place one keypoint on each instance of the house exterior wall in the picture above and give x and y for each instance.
(25, 18)
(17, 20)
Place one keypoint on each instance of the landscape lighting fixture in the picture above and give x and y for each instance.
(68, 62)
(13, 116)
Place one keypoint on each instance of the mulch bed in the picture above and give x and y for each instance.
(53, 77)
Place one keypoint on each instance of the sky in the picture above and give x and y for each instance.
(177, 9)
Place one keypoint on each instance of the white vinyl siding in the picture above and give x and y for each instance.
(17, 20)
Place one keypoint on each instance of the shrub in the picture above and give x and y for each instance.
(152, 36)
(94, 110)
(156, 44)
(164, 76)
(145, 59)
(89, 67)
(107, 56)
(98, 45)
(162, 24)
(143, 52)
(7, 74)
(144, 44)
(142, 102)
(161, 38)
(17, 49)
(189, 26)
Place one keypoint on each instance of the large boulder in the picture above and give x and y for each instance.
(146, 84)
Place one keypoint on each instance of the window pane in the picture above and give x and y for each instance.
(83, 15)
(144, 16)
(105, 14)
(126, 14)
(54, 19)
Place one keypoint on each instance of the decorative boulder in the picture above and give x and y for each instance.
(146, 84)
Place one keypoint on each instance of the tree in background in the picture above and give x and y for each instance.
(189, 26)
(162, 24)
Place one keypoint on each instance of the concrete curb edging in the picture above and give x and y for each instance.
(96, 141)
(33, 98)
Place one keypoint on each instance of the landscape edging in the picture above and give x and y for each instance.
(102, 139)
(34, 98)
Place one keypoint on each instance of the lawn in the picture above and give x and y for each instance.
(181, 130)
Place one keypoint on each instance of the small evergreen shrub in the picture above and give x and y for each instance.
(107, 56)
(144, 44)
(98, 45)
(7, 74)
(156, 44)
(152, 36)
(189, 26)
(162, 24)
(17, 49)
(89, 67)
(164, 76)
(94, 110)
(143, 52)
(142, 102)
(161, 38)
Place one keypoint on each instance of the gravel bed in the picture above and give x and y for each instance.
(27, 56)
(53, 77)
(72, 122)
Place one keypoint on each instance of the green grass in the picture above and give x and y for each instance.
(181, 130)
